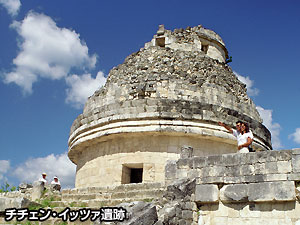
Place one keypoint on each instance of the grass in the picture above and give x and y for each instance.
(83, 205)
(72, 204)
(44, 203)
(148, 200)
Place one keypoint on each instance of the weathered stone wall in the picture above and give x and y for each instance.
(252, 188)
(191, 39)
(163, 91)
(148, 151)
(160, 83)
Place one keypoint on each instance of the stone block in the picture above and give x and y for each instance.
(232, 171)
(247, 170)
(260, 192)
(232, 159)
(184, 163)
(259, 168)
(217, 171)
(20, 202)
(206, 193)
(254, 179)
(274, 156)
(170, 170)
(284, 155)
(275, 177)
(284, 166)
(234, 193)
(205, 172)
(271, 167)
(272, 191)
(262, 156)
(296, 163)
(214, 160)
(249, 158)
(294, 176)
(38, 188)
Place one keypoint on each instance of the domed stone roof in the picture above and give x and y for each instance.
(170, 91)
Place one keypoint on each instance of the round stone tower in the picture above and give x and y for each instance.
(169, 94)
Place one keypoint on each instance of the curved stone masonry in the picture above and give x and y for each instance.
(191, 39)
(175, 91)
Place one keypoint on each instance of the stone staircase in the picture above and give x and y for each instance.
(97, 197)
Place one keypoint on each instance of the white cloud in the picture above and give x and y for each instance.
(59, 165)
(4, 167)
(266, 115)
(296, 136)
(81, 87)
(249, 83)
(12, 6)
(46, 51)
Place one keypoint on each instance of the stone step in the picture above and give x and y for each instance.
(78, 197)
(122, 187)
(138, 194)
(96, 204)
(105, 196)
(138, 186)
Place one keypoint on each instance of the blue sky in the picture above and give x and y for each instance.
(54, 54)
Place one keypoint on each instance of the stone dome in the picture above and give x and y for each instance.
(160, 99)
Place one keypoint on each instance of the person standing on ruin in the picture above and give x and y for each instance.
(243, 135)
(43, 179)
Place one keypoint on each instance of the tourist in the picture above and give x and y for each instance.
(55, 183)
(43, 179)
(245, 140)
(243, 135)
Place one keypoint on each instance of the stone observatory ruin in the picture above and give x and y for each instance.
(171, 93)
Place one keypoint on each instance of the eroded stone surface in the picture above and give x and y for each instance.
(206, 193)
(171, 93)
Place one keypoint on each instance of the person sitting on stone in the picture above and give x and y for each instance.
(243, 135)
(43, 179)
(55, 184)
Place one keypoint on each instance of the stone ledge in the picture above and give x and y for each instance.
(259, 192)
(206, 193)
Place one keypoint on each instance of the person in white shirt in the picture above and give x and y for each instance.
(244, 139)
(243, 135)
(43, 179)
(55, 180)
(56, 183)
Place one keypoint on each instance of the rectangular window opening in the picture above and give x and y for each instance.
(160, 42)
(204, 48)
(136, 175)
(132, 173)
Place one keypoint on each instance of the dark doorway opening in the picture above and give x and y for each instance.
(132, 173)
(136, 175)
